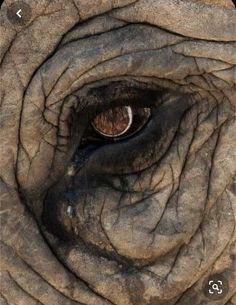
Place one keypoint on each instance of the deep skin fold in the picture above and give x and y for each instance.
(148, 223)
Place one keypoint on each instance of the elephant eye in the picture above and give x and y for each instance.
(117, 112)
(117, 123)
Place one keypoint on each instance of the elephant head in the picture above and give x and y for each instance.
(118, 152)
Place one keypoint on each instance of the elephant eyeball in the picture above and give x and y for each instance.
(113, 122)
(120, 122)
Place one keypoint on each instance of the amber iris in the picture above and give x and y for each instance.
(113, 122)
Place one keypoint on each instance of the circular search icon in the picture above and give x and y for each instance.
(215, 287)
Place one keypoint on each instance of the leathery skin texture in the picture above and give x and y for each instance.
(140, 219)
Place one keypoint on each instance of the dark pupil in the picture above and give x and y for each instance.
(113, 122)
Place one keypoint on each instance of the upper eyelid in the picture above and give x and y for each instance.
(105, 97)
(71, 67)
(95, 26)
(125, 91)
(72, 60)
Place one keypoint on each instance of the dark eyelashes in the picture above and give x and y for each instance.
(121, 93)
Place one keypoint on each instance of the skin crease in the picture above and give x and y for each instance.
(147, 228)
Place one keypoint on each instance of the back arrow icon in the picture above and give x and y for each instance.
(18, 13)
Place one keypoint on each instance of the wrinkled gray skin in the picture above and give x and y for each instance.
(159, 216)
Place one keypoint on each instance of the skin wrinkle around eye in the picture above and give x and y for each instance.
(174, 147)
(107, 46)
(78, 257)
(133, 62)
(148, 59)
(95, 26)
(31, 102)
(167, 13)
(71, 264)
(71, 74)
(54, 276)
(212, 50)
